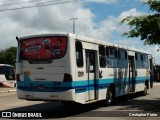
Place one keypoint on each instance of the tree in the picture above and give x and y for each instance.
(147, 27)
(8, 56)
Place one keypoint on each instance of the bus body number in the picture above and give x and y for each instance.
(80, 73)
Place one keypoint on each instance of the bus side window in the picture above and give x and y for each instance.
(111, 57)
(122, 59)
(79, 54)
(145, 61)
(138, 61)
(102, 58)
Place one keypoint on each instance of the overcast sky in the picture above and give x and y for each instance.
(96, 18)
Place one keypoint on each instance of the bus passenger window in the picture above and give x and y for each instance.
(122, 54)
(79, 54)
(102, 58)
(122, 59)
(138, 61)
(113, 53)
(145, 61)
(112, 57)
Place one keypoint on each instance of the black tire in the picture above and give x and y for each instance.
(144, 92)
(109, 97)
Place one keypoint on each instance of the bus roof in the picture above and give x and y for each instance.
(101, 42)
(87, 39)
(45, 35)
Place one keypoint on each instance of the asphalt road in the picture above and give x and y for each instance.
(125, 108)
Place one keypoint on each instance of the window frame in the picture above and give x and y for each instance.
(111, 58)
(81, 55)
(116, 52)
(122, 60)
(138, 60)
(144, 61)
(125, 54)
(102, 57)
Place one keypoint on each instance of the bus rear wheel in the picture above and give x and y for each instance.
(144, 92)
(109, 97)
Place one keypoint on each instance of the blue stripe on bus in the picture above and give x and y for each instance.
(79, 86)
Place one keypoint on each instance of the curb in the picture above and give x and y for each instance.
(11, 90)
(3, 91)
(8, 91)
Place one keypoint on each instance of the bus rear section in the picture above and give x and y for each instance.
(42, 71)
(7, 76)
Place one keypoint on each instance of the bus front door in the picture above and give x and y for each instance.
(91, 76)
(132, 74)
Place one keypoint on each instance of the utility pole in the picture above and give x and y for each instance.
(73, 24)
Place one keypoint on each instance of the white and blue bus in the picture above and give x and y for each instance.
(68, 67)
(7, 76)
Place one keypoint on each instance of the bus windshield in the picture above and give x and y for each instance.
(43, 48)
(8, 72)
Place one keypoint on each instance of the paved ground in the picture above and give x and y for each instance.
(7, 90)
(156, 83)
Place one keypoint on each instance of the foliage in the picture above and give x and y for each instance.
(147, 27)
(8, 56)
